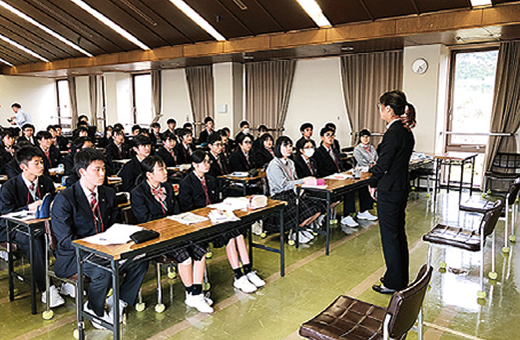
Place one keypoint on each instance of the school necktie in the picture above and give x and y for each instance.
(48, 155)
(94, 205)
(331, 152)
(160, 196)
(203, 182)
(310, 167)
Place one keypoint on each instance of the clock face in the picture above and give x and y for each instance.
(419, 66)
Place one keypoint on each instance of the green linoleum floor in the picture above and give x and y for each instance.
(313, 282)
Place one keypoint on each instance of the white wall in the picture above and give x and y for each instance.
(317, 97)
(229, 92)
(36, 95)
(82, 96)
(175, 97)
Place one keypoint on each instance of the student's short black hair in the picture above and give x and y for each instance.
(262, 128)
(118, 132)
(81, 124)
(43, 135)
(140, 140)
(183, 132)
(51, 127)
(265, 137)
(171, 121)
(326, 129)
(148, 164)
(155, 125)
(243, 136)
(208, 119)
(8, 132)
(108, 128)
(301, 143)
(136, 127)
(85, 157)
(25, 154)
(187, 125)
(331, 125)
(79, 142)
(215, 137)
(82, 128)
(282, 140)
(225, 128)
(198, 156)
(119, 126)
(244, 123)
(57, 126)
(145, 132)
(16, 105)
(222, 132)
(306, 126)
(27, 126)
(168, 135)
(82, 116)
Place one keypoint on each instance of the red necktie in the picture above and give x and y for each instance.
(160, 196)
(331, 152)
(95, 212)
(47, 154)
(203, 182)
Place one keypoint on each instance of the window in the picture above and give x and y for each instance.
(64, 117)
(142, 94)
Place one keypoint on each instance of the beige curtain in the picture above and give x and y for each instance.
(73, 102)
(365, 77)
(93, 89)
(201, 90)
(156, 95)
(505, 117)
(268, 89)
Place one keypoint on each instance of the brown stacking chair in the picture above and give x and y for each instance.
(349, 318)
(467, 239)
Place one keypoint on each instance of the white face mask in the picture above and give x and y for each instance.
(308, 152)
(246, 131)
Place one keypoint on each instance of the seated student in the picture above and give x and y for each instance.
(336, 142)
(208, 131)
(229, 144)
(282, 178)
(107, 137)
(12, 169)
(116, 150)
(136, 129)
(85, 209)
(27, 134)
(242, 158)
(264, 153)
(167, 150)
(156, 133)
(198, 190)
(6, 149)
(155, 198)
(328, 160)
(146, 133)
(244, 129)
(62, 141)
(262, 130)
(52, 130)
(25, 192)
(306, 130)
(172, 123)
(219, 163)
(81, 130)
(366, 156)
(52, 155)
(68, 161)
(132, 169)
(184, 148)
(303, 160)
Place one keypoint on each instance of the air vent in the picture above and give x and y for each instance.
(139, 12)
(240, 4)
(59, 16)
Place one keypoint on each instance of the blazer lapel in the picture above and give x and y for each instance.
(83, 203)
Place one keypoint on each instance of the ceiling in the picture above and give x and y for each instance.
(158, 23)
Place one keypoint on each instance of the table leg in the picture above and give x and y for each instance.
(436, 184)
(10, 261)
(250, 242)
(329, 212)
(461, 179)
(449, 177)
(79, 297)
(282, 248)
(31, 262)
(472, 175)
(115, 292)
(297, 223)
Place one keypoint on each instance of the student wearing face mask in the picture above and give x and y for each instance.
(304, 162)
(366, 156)
(244, 130)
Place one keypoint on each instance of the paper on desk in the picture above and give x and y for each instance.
(324, 186)
(58, 170)
(339, 176)
(188, 218)
(239, 174)
(117, 234)
(114, 178)
(217, 216)
(22, 215)
(231, 204)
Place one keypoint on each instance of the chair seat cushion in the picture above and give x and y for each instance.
(477, 206)
(454, 237)
(346, 318)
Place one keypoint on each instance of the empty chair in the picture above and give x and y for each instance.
(349, 318)
(467, 239)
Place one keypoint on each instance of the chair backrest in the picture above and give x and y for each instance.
(53, 242)
(128, 215)
(512, 193)
(490, 219)
(405, 305)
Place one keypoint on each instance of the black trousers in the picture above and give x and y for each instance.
(365, 200)
(101, 281)
(39, 256)
(391, 207)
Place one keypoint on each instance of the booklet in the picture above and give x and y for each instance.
(117, 234)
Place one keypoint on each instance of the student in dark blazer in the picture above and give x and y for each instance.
(132, 169)
(306, 130)
(229, 144)
(167, 150)
(27, 134)
(219, 163)
(198, 190)
(242, 158)
(257, 144)
(85, 209)
(244, 130)
(303, 160)
(390, 177)
(68, 161)
(184, 149)
(116, 150)
(264, 152)
(155, 198)
(107, 137)
(52, 156)
(62, 141)
(6, 149)
(25, 192)
(208, 130)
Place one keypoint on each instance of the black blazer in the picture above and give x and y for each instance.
(15, 196)
(238, 161)
(112, 152)
(391, 170)
(12, 169)
(229, 148)
(261, 157)
(215, 170)
(63, 143)
(183, 156)
(5, 157)
(167, 157)
(72, 219)
(204, 135)
(129, 174)
(55, 158)
(302, 170)
(191, 193)
(22, 138)
(325, 163)
(146, 208)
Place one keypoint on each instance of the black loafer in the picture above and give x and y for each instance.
(381, 289)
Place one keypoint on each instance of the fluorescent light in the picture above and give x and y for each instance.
(6, 62)
(314, 11)
(190, 13)
(44, 28)
(25, 49)
(110, 24)
(476, 3)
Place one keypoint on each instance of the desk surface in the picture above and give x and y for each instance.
(169, 230)
(261, 174)
(3, 178)
(456, 156)
(335, 184)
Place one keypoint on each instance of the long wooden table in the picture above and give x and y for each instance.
(244, 181)
(172, 234)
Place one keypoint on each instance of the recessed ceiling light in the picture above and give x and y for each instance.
(106, 21)
(6, 62)
(314, 11)
(190, 13)
(44, 28)
(477, 3)
(23, 48)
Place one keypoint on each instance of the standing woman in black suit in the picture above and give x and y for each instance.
(391, 180)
